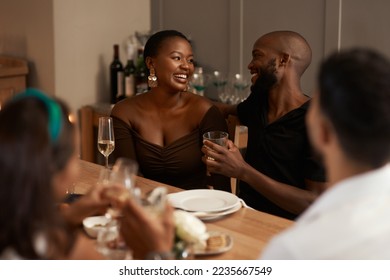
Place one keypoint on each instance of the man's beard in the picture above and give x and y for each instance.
(266, 78)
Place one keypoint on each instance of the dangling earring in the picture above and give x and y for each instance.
(152, 78)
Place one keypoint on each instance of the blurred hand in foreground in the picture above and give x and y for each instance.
(144, 232)
(90, 204)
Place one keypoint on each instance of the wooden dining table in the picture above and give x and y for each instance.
(250, 229)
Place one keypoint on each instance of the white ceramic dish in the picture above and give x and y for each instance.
(202, 200)
(92, 224)
(210, 216)
(218, 250)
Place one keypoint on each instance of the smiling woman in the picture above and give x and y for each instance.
(162, 129)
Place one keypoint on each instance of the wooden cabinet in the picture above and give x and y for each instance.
(13, 72)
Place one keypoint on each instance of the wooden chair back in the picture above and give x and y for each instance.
(239, 135)
(89, 122)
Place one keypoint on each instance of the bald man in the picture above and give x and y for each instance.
(279, 174)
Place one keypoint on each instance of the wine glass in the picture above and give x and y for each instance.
(198, 81)
(220, 82)
(106, 143)
(119, 183)
(111, 244)
(240, 85)
(124, 173)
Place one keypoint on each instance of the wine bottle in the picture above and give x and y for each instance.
(116, 76)
(141, 76)
(129, 73)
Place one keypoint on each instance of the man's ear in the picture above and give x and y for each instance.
(284, 59)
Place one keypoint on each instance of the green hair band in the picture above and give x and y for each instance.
(53, 109)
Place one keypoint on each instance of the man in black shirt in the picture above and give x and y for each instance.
(279, 175)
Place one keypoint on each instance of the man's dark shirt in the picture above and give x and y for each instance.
(279, 150)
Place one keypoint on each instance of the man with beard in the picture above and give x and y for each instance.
(349, 126)
(279, 175)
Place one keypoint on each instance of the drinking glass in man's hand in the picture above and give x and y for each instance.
(217, 137)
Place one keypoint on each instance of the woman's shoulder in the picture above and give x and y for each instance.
(204, 110)
(128, 105)
(198, 102)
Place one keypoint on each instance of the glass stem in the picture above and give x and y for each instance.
(106, 162)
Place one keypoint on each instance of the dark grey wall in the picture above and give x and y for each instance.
(205, 22)
(223, 31)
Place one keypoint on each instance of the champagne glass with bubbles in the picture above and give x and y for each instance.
(106, 143)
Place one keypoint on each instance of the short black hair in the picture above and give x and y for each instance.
(354, 93)
(155, 41)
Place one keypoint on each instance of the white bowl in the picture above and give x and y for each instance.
(93, 224)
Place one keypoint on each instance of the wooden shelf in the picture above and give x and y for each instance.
(13, 72)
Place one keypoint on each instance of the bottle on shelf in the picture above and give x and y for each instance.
(129, 76)
(141, 75)
(116, 76)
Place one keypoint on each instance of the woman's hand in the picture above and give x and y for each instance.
(90, 204)
(226, 161)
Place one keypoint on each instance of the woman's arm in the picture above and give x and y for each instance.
(226, 109)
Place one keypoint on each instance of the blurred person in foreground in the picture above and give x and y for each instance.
(162, 129)
(38, 163)
(349, 126)
(279, 175)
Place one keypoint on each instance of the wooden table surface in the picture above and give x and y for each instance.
(250, 229)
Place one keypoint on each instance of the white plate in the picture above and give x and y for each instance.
(218, 250)
(203, 200)
(209, 216)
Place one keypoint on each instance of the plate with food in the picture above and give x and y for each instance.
(217, 243)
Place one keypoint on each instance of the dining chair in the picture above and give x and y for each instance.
(89, 121)
(239, 135)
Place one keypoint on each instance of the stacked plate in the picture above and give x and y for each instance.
(206, 204)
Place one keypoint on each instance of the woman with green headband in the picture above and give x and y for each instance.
(38, 162)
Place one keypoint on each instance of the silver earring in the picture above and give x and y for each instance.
(152, 79)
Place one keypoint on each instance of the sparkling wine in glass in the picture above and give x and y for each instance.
(106, 143)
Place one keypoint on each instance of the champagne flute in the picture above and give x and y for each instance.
(122, 175)
(119, 183)
(106, 143)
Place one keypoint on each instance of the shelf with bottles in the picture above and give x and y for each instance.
(131, 79)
